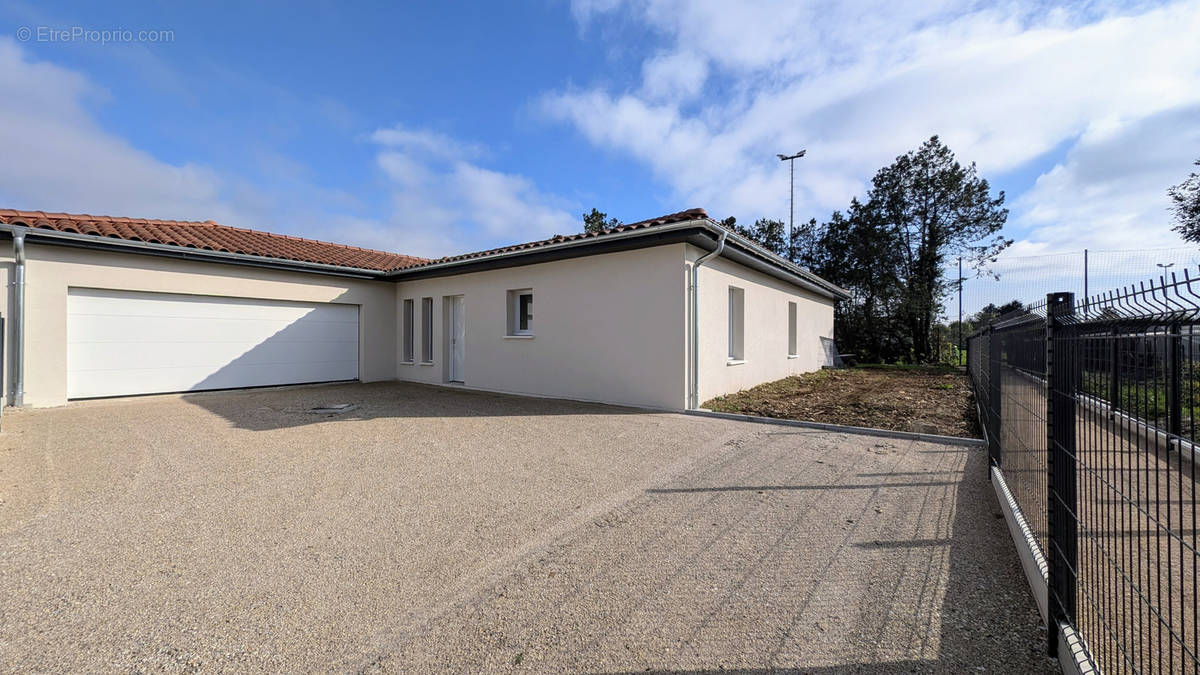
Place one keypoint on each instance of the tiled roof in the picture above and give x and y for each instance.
(209, 236)
(682, 216)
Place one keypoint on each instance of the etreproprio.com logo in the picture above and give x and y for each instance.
(100, 36)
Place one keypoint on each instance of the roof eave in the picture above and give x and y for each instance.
(785, 265)
(649, 236)
(90, 241)
(438, 269)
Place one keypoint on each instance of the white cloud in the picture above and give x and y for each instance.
(426, 142)
(1113, 184)
(58, 158)
(440, 201)
(678, 75)
(857, 85)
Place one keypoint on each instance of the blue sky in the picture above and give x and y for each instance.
(435, 128)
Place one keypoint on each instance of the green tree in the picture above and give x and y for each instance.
(804, 249)
(1186, 199)
(770, 234)
(935, 208)
(598, 221)
(857, 251)
(990, 312)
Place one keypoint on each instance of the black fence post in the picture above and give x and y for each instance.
(1174, 381)
(1062, 382)
(1114, 383)
(995, 395)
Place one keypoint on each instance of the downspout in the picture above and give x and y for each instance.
(695, 393)
(18, 317)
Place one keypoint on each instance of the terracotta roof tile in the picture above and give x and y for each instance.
(210, 236)
(682, 216)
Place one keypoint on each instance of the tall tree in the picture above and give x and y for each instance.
(770, 234)
(598, 221)
(992, 311)
(936, 208)
(857, 251)
(804, 249)
(1186, 198)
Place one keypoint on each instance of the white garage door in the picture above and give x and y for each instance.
(124, 342)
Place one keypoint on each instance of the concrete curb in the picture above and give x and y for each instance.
(1028, 549)
(842, 429)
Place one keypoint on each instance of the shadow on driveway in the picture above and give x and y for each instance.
(284, 407)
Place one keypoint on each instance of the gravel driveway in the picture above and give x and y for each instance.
(435, 529)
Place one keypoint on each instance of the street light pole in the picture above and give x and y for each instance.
(960, 280)
(792, 203)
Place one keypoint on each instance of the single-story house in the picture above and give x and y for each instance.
(664, 313)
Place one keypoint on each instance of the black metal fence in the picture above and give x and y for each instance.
(1091, 411)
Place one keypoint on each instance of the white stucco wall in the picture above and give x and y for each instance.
(609, 328)
(765, 327)
(51, 270)
(6, 275)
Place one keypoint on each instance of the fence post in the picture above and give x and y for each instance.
(1174, 381)
(1062, 381)
(1114, 383)
(995, 397)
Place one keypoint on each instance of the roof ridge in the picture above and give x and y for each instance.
(60, 215)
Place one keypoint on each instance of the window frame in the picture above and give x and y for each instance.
(737, 325)
(408, 326)
(519, 311)
(793, 328)
(427, 330)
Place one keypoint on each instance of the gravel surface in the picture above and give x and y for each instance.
(433, 529)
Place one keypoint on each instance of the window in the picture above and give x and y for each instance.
(520, 312)
(408, 331)
(427, 330)
(791, 329)
(737, 302)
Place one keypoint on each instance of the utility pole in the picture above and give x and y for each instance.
(960, 280)
(792, 207)
(1085, 282)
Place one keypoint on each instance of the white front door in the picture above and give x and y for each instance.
(458, 332)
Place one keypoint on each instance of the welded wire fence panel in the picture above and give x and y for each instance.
(1094, 435)
(1023, 422)
(1028, 278)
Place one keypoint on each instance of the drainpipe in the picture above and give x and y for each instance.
(695, 393)
(18, 317)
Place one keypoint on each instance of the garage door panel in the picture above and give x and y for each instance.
(148, 355)
(90, 384)
(166, 330)
(123, 342)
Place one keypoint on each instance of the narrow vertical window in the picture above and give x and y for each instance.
(737, 299)
(408, 325)
(791, 329)
(427, 330)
